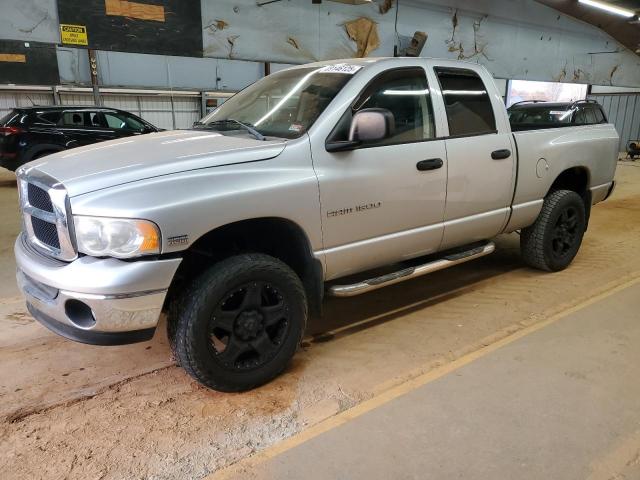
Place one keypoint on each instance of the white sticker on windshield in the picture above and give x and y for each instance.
(341, 68)
(557, 112)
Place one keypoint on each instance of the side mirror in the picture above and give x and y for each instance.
(368, 125)
(371, 124)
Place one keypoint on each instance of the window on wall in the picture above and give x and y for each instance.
(405, 93)
(467, 102)
(522, 90)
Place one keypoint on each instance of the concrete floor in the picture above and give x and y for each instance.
(560, 402)
(75, 411)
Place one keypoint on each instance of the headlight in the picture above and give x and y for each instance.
(116, 237)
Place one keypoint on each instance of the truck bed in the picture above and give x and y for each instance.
(545, 153)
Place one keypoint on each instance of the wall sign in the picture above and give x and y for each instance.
(74, 34)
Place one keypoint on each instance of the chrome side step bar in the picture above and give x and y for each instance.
(411, 272)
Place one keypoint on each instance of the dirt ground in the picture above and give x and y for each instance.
(75, 411)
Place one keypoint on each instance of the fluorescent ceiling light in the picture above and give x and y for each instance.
(464, 92)
(406, 92)
(609, 8)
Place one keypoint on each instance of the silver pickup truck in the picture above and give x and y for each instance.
(300, 185)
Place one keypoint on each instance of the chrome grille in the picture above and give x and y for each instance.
(46, 232)
(39, 198)
(45, 213)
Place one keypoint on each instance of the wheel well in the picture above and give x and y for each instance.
(278, 237)
(577, 180)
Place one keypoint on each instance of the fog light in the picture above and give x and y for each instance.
(79, 313)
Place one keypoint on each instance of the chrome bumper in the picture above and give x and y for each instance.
(98, 301)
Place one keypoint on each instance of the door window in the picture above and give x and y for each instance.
(73, 119)
(467, 102)
(405, 93)
(96, 120)
(119, 121)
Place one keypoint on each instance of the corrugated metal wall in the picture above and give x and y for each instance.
(623, 110)
(10, 99)
(161, 110)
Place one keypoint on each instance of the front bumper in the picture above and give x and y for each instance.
(91, 300)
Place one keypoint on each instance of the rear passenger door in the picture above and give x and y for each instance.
(481, 158)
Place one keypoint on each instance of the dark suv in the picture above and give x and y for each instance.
(33, 132)
(537, 114)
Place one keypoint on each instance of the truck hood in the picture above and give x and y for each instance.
(102, 165)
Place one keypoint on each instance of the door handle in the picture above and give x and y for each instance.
(501, 154)
(430, 164)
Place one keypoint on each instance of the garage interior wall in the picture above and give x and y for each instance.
(514, 39)
(623, 110)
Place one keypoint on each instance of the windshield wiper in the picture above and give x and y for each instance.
(248, 128)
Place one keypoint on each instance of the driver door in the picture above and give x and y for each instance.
(379, 203)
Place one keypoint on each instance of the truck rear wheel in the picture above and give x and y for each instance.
(239, 323)
(552, 242)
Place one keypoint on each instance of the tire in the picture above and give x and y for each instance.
(238, 324)
(552, 242)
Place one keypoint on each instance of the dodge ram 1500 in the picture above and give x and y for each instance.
(295, 187)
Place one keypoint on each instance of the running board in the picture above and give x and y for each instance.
(411, 272)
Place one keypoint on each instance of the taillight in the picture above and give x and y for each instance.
(7, 131)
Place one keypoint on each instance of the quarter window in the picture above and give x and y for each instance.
(467, 102)
(47, 118)
(581, 118)
(599, 115)
(591, 116)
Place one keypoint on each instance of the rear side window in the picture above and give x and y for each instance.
(73, 119)
(599, 115)
(581, 117)
(467, 102)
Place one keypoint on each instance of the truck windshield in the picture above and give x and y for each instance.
(284, 104)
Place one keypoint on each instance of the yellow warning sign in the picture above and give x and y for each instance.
(74, 34)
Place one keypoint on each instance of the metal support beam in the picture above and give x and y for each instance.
(93, 70)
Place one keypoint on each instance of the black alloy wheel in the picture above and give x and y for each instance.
(248, 326)
(238, 324)
(565, 232)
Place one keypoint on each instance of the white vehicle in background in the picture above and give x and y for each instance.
(295, 187)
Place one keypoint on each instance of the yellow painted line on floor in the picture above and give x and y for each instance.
(400, 390)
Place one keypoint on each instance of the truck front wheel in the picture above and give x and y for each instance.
(239, 323)
(552, 242)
